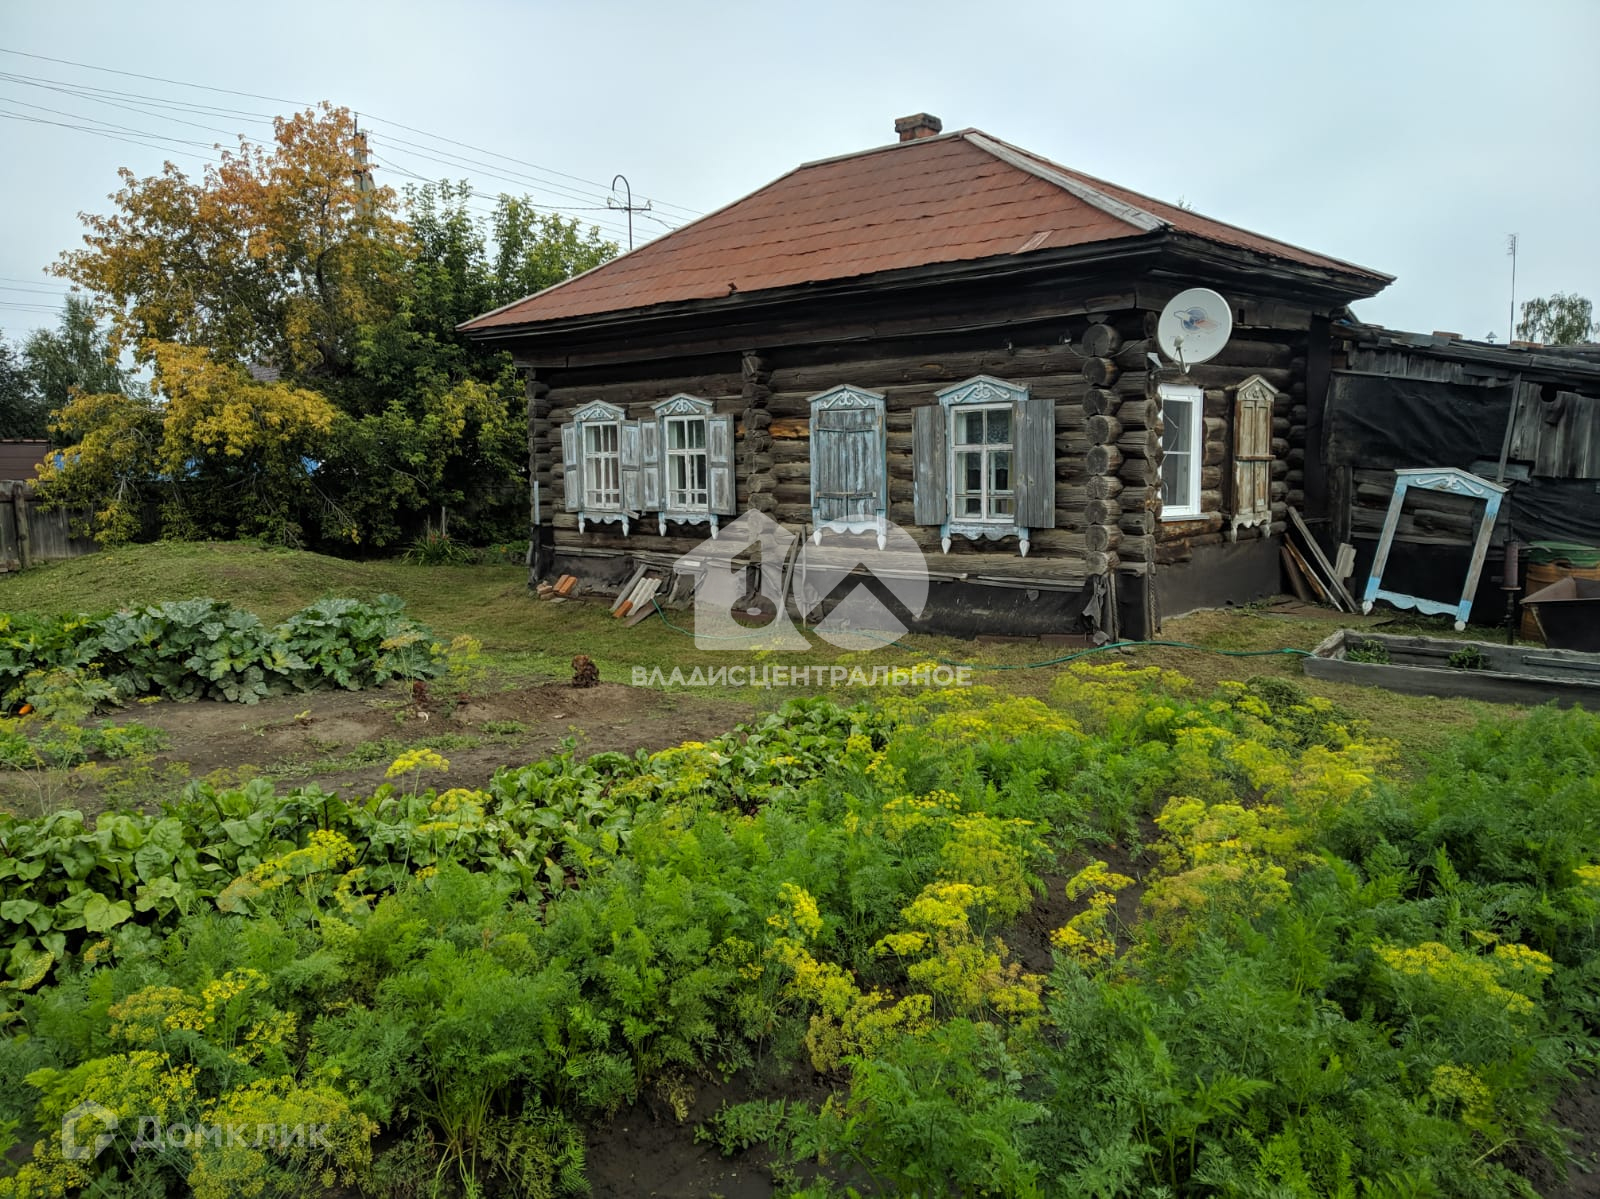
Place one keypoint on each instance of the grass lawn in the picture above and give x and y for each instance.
(527, 641)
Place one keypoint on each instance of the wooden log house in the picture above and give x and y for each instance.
(947, 334)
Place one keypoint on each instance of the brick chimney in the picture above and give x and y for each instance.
(917, 126)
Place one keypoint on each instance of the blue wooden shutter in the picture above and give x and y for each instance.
(931, 463)
(571, 475)
(1034, 457)
(628, 459)
(719, 459)
(649, 465)
(847, 464)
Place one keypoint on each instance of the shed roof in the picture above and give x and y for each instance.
(947, 199)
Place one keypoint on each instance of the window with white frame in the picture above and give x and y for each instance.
(688, 464)
(1182, 450)
(981, 457)
(602, 466)
(984, 464)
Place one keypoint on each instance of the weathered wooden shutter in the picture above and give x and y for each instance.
(719, 461)
(930, 462)
(650, 485)
(571, 475)
(1252, 454)
(848, 480)
(1034, 458)
(628, 455)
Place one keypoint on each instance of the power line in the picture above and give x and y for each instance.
(226, 91)
(110, 125)
(33, 291)
(297, 103)
(36, 282)
(140, 109)
(106, 127)
(17, 116)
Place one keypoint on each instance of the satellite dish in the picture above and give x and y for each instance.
(1194, 326)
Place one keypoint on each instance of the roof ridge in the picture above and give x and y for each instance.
(1090, 180)
(1050, 172)
(653, 242)
(953, 135)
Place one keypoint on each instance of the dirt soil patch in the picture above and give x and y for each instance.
(344, 741)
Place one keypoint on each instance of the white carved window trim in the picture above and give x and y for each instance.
(590, 423)
(846, 397)
(684, 412)
(984, 393)
(1182, 411)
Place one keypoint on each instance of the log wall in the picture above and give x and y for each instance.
(1279, 357)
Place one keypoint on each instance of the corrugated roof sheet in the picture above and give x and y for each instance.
(948, 199)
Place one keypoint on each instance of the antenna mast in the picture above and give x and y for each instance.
(1511, 249)
(628, 207)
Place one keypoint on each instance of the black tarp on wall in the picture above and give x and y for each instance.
(1390, 423)
(1387, 423)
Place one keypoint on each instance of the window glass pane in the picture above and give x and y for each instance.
(675, 431)
(1175, 476)
(969, 428)
(970, 470)
(1176, 425)
(696, 430)
(1000, 470)
(1002, 505)
(999, 426)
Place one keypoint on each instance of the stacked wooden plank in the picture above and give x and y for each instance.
(636, 600)
(1310, 573)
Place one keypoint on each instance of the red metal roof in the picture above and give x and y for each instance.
(948, 199)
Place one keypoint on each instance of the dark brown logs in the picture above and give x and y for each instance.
(1102, 537)
(1100, 372)
(1103, 460)
(1100, 401)
(1103, 430)
(1139, 413)
(1101, 341)
(1102, 512)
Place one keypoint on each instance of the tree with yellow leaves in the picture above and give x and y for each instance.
(373, 414)
(226, 454)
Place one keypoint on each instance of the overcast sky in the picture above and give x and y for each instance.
(1404, 135)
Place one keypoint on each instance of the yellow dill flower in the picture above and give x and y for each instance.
(416, 759)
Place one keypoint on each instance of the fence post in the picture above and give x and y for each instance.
(19, 502)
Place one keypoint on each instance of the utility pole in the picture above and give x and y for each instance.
(1511, 249)
(628, 207)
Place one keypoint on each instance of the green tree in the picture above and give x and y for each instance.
(1561, 319)
(75, 357)
(22, 412)
(436, 425)
(288, 256)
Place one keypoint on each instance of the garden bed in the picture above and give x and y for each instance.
(1506, 674)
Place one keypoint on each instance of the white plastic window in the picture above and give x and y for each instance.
(1181, 451)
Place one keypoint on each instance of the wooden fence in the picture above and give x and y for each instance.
(29, 535)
